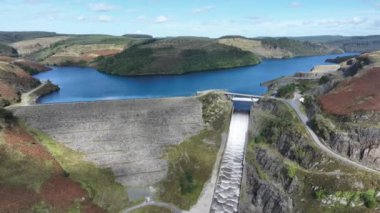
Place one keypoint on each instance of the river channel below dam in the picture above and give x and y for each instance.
(227, 190)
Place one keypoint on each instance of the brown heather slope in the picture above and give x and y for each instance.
(27, 161)
(13, 82)
(361, 93)
(15, 78)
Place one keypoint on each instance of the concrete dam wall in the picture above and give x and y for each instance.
(130, 137)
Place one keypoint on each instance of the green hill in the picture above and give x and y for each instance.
(175, 56)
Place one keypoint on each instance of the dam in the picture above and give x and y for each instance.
(227, 190)
(130, 137)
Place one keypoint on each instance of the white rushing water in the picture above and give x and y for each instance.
(227, 191)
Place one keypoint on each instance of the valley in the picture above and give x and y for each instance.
(159, 143)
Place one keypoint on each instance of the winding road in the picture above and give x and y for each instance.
(295, 105)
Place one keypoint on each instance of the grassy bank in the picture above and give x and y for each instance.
(18, 169)
(100, 183)
(191, 163)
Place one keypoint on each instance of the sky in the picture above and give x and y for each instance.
(211, 18)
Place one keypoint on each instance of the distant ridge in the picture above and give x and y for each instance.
(138, 36)
(10, 37)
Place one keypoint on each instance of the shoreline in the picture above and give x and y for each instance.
(31, 97)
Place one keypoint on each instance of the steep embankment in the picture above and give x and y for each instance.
(286, 172)
(176, 56)
(31, 179)
(277, 47)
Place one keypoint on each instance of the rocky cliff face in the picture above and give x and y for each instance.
(346, 116)
(267, 184)
(260, 194)
(285, 172)
(358, 141)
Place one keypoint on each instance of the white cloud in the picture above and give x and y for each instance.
(202, 9)
(81, 18)
(161, 19)
(295, 4)
(141, 17)
(104, 18)
(101, 7)
(131, 10)
(358, 20)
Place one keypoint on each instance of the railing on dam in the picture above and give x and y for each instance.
(243, 104)
(227, 190)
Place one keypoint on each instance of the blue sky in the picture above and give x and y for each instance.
(212, 18)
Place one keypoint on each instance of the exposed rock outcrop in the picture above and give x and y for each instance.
(358, 143)
(262, 195)
(285, 172)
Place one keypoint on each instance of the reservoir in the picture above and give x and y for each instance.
(87, 84)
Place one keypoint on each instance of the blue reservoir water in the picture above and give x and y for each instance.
(87, 84)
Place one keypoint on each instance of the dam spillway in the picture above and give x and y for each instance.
(227, 190)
